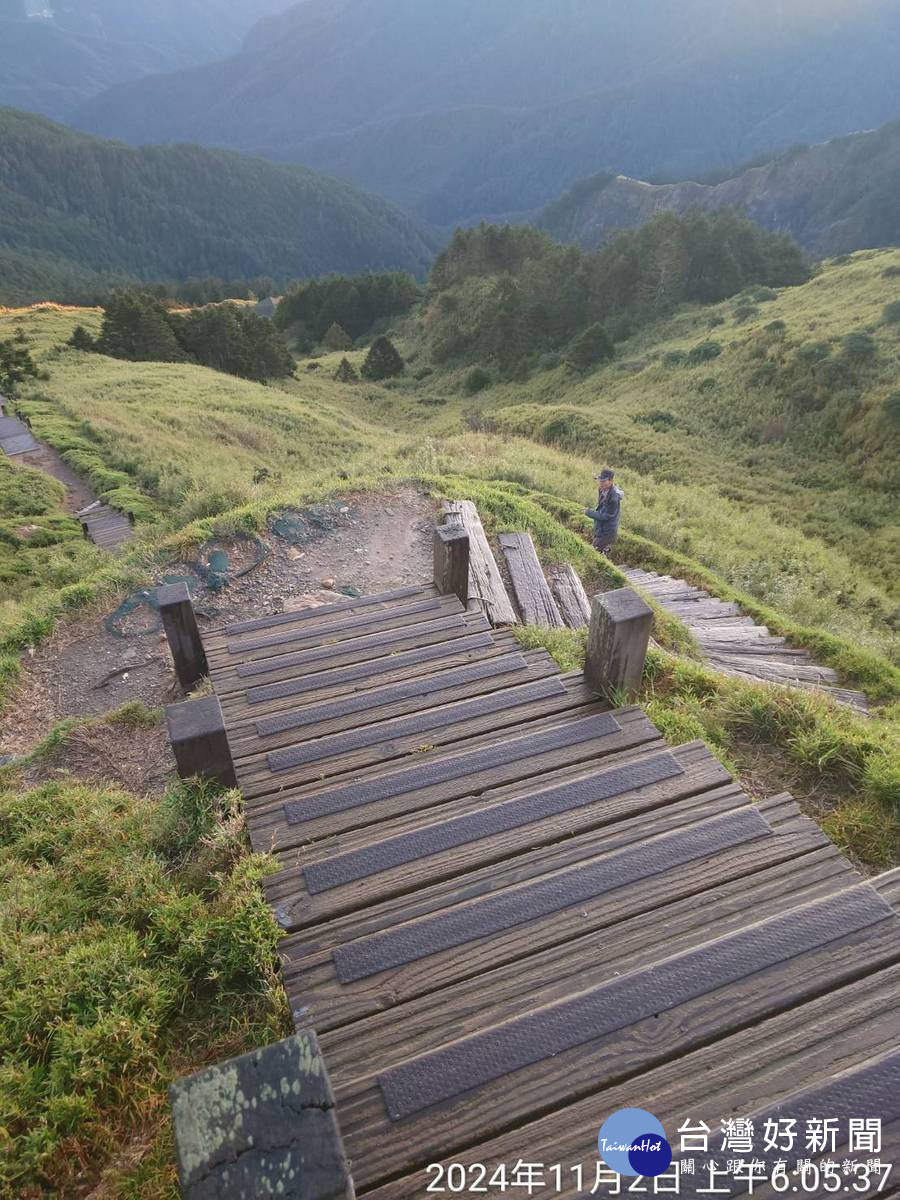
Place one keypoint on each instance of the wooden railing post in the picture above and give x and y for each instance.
(199, 742)
(180, 623)
(618, 638)
(451, 562)
(261, 1125)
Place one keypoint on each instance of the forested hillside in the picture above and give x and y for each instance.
(832, 198)
(54, 56)
(502, 295)
(468, 109)
(77, 214)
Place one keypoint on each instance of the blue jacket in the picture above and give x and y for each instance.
(606, 514)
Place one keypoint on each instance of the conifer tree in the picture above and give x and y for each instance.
(346, 372)
(383, 360)
(81, 339)
(336, 338)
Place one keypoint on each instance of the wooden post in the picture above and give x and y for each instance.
(180, 624)
(199, 742)
(261, 1125)
(618, 638)
(451, 562)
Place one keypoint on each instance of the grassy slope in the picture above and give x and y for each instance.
(192, 446)
(779, 507)
(135, 945)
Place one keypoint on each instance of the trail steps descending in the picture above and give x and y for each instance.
(735, 645)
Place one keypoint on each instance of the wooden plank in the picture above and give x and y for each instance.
(533, 596)
(458, 723)
(350, 714)
(744, 977)
(286, 667)
(486, 587)
(571, 598)
(309, 634)
(740, 1075)
(627, 932)
(420, 724)
(367, 675)
(549, 744)
(378, 862)
(319, 611)
(311, 971)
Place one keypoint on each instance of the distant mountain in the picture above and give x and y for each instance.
(471, 108)
(77, 212)
(56, 54)
(833, 198)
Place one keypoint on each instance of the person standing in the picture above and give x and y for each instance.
(606, 515)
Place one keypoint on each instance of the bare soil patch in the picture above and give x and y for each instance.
(99, 660)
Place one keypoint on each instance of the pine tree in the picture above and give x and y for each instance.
(136, 326)
(81, 339)
(383, 360)
(16, 365)
(346, 372)
(336, 338)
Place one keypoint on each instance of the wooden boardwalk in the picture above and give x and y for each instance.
(735, 645)
(511, 911)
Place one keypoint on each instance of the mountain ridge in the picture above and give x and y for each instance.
(834, 197)
(96, 210)
(483, 109)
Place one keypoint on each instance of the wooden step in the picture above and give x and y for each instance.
(486, 588)
(570, 596)
(533, 596)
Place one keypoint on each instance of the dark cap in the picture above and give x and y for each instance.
(606, 473)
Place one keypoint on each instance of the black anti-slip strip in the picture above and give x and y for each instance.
(362, 671)
(872, 1090)
(501, 818)
(516, 906)
(334, 629)
(409, 689)
(322, 610)
(442, 770)
(371, 641)
(623, 1002)
(418, 723)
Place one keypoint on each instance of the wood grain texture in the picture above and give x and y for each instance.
(486, 587)
(533, 596)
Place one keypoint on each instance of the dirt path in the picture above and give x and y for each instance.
(103, 659)
(46, 459)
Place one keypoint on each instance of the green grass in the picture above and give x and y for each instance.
(848, 764)
(134, 928)
(135, 945)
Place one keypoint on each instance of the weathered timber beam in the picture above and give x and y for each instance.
(618, 638)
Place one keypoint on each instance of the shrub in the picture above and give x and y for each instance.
(744, 312)
(891, 273)
(860, 348)
(715, 320)
(549, 361)
(383, 360)
(703, 352)
(592, 346)
(674, 358)
(476, 381)
(891, 314)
